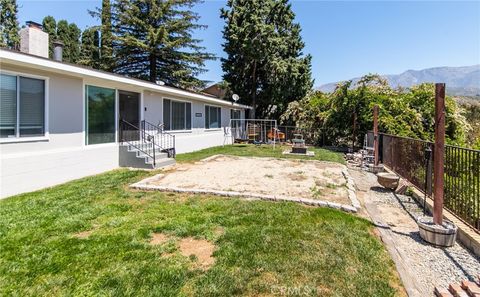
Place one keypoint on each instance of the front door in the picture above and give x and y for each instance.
(129, 112)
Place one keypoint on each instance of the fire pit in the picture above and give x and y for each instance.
(298, 145)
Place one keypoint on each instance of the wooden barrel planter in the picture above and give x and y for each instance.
(438, 235)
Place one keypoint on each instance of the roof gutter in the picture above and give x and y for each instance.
(20, 59)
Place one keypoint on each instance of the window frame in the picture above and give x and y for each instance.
(85, 114)
(219, 122)
(46, 96)
(171, 118)
(233, 110)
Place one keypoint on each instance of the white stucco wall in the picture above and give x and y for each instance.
(27, 172)
(65, 113)
(63, 155)
(198, 137)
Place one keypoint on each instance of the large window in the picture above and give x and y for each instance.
(177, 115)
(100, 115)
(22, 106)
(213, 117)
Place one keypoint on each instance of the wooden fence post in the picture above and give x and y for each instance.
(375, 134)
(439, 153)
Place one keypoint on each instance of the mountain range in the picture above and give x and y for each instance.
(460, 81)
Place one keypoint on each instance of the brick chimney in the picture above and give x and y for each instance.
(33, 40)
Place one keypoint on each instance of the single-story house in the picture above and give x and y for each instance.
(60, 121)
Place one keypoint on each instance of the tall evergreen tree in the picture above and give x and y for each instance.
(63, 36)
(9, 24)
(265, 65)
(90, 49)
(106, 61)
(50, 26)
(74, 35)
(153, 41)
(69, 34)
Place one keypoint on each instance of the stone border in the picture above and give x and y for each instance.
(351, 189)
(308, 154)
(311, 202)
(410, 283)
(144, 185)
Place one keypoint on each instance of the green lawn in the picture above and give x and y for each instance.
(265, 248)
(260, 151)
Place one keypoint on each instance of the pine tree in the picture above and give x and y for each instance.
(90, 50)
(69, 34)
(153, 41)
(107, 61)
(63, 36)
(9, 37)
(50, 26)
(265, 65)
(74, 35)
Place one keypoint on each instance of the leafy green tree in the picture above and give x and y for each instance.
(407, 112)
(154, 41)
(90, 49)
(265, 65)
(9, 37)
(106, 50)
(50, 26)
(472, 115)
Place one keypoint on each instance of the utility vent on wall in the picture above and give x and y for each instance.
(33, 40)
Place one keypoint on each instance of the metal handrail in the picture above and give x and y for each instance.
(143, 144)
(164, 140)
(159, 128)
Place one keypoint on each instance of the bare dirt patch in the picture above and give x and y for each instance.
(262, 176)
(200, 248)
(158, 239)
(83, 234)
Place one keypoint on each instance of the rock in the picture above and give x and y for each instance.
(388, 180)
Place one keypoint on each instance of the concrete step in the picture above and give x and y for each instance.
(148, 149)
(158, 155)
(134, 158)
(162, 163)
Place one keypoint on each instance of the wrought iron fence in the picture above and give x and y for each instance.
(462, 183)
(406, 157)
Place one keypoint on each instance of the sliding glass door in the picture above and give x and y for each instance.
(100, 115)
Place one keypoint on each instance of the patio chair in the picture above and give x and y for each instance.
(226, 134)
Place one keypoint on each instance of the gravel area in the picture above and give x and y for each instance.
(430, 266)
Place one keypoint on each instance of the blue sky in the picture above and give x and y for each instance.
(345, 38)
